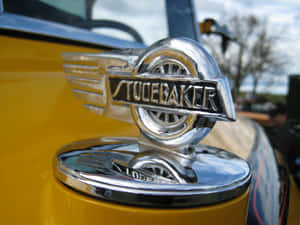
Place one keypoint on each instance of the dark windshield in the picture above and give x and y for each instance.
(142, 21)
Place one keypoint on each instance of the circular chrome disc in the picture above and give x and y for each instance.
(114, 170)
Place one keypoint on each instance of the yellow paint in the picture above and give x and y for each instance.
(237, 137)
(69, 208)
(39, 115)
(294, 204)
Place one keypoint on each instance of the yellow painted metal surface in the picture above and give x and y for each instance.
(69, 208)
(237, 137)
(39, 115)
(294, 204)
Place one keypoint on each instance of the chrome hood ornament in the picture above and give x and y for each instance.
(173, 90)
(175, 93)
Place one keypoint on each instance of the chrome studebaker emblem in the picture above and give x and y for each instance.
(171, 94)
(170, 90)
(175, 93)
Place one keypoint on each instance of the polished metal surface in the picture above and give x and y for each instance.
(88, 76)
(26, 24)
(173, 90)
(120, 170)
(165, 120)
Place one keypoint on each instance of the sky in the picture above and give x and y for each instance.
(283, 17)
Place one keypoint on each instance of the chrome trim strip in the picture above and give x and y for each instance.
(85, 83)
(72, 67)
(94, 109)
(90, 97)
(80, 70)
(36, 26)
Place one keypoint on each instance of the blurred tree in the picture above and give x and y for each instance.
(252, 54)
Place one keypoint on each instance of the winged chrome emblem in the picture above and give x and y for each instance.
(88, 73)
(168, 89)
(174, 92)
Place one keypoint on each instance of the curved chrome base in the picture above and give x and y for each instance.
(116, 169)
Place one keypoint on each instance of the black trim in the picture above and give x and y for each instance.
(40, 37)
(41, 10)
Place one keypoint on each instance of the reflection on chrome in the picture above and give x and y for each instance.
(175, 93)
(154, 178)
(173, 90)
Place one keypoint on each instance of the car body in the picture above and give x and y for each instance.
(40, 116)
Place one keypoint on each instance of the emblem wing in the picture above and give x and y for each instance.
(87, 74)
